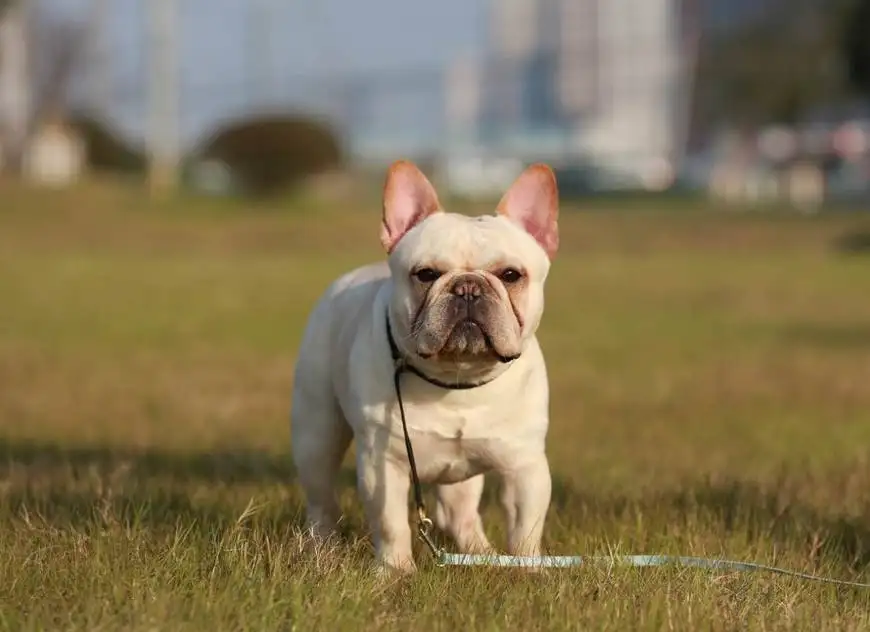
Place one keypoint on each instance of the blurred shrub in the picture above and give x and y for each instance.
(104, 149)
(854, 242)
(268, 154)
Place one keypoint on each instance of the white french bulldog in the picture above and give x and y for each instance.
(462, 298)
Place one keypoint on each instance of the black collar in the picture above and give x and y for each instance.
(402, 364)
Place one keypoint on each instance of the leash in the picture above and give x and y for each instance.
(442, 558)
(636, 561)
(424, 523)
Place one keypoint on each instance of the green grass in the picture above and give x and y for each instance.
(710, 396)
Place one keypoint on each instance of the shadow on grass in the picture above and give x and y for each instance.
(81, 486)
(72, 487)
(833, 336)
(228, 466)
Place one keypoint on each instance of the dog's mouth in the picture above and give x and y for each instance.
(468, 336)
(468, 339)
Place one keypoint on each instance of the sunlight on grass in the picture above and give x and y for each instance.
(710, 396)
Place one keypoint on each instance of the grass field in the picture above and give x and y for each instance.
(710, 379)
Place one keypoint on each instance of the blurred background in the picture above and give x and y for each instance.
(746, 101)
(708, 367)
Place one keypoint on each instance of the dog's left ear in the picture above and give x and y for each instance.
(532, 201)
(409, 198)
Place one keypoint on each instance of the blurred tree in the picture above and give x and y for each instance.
(775, 69)
(105, 149)
(53, 49)
(856, 39)
(56, 48)
(272, 153)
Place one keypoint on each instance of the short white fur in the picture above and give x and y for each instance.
(343, 386)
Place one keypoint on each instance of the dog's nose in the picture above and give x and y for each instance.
(467, 287)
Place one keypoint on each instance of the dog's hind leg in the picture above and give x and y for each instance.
(320, 438)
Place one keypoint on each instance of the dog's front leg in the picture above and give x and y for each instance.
(525, 500)
(384, 486)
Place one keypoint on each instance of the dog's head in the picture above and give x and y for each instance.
(468, 291)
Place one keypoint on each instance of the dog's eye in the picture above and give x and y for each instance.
(510, 275)
(427, 275)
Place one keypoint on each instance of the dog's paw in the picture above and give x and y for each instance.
(319, 547)
(395, 568)
(477, 546)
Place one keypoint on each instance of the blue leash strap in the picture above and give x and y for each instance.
(636, 561)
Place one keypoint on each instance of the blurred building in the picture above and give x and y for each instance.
(550, 50)
(605, 80)
(55, 153)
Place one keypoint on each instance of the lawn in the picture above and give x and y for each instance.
(710, 378)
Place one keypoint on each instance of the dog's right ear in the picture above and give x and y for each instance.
(409, 198)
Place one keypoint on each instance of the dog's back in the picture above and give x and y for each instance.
(318, 425)
(331, 327)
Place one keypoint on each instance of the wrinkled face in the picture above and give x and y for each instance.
(469, 289)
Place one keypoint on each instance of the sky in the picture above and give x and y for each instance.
(308, 42)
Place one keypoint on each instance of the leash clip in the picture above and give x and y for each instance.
(424, 531)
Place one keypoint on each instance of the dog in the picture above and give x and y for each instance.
(459, 300)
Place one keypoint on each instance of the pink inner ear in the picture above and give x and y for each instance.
(533, 202)
(409, 198)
